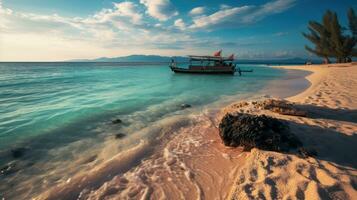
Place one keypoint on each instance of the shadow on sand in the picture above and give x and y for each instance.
(319, 112)
(330, 144)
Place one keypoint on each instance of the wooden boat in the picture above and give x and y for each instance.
(215, 64)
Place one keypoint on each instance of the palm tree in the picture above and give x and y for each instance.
(337, 39)
(320, 36)
(329, 38)
(352, 19)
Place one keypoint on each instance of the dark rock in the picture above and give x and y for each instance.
(18, 152)
(282, 107)
(262, 132)
(119, 135)
(305, 153)
(184, 106)
(8, 169)
(117, 121)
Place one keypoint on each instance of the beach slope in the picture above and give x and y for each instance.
(328, 132)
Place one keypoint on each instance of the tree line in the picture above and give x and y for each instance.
(331, 40)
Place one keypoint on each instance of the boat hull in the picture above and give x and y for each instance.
(203, 71)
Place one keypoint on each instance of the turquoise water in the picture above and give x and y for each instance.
(39, 98)
(58, 110)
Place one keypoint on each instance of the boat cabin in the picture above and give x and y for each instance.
(207, 65)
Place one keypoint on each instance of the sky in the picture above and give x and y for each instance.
(57, 30)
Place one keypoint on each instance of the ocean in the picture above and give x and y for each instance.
(56, 119)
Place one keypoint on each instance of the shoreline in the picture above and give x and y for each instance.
(295, 83)
(191, 164)
(313, 78)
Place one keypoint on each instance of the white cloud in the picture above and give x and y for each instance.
(121, 13)
(269, 8)
(129, 9)
(180, 24)
(4, 10)
(197, 11)
(219, 17)
(160, 9)
(3, 14)
(233, 16)
(280, 34)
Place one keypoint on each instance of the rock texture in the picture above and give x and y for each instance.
(117, 121)
(280, 106)
(258, 131)
(8, 169)
(184, 106)
(119, 135)
(18, 152)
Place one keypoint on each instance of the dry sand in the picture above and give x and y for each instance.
(330, 129)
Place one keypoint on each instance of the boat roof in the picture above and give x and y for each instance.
(210, 58)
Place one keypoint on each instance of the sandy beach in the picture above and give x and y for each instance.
(329, 128)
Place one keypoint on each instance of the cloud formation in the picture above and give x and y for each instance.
(130, 10)
(180, 24)
(247, 14)
(197, 11)
(160, 9)
(223, 16)
(119, 30)
(152, 26)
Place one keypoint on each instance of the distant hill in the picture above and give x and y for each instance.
(135, 58)
(165, 59)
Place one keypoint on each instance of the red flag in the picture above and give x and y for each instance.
(217, 53)
(231, 57)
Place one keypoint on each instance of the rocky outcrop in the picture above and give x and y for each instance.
(117, 121)
(119, 135)
(280, 106)
(256, 131)
(8, 169)
(18, 152)
(184, 106)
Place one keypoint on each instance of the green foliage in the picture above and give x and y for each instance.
(329, 37)
(352, 19)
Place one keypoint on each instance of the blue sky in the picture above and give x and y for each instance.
(43, 30)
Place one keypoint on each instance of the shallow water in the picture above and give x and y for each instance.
(59, 114)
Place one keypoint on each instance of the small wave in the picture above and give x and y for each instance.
(149, 137)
